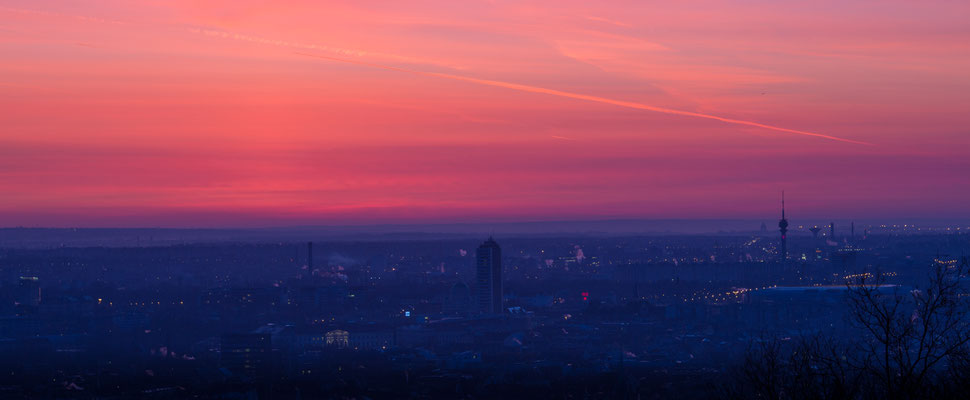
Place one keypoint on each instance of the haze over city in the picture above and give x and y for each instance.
(484, 199)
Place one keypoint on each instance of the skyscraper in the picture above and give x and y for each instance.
(309, 256)
(29, 291)
(783, 227)
(488, 277)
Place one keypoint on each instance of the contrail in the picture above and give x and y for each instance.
(597, 99)
(508, 85)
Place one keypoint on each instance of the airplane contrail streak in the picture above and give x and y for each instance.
(578, 96)
(508, 85)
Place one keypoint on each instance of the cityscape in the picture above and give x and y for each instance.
(630, 316)
(485, 199)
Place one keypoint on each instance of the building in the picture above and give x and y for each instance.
(338, 338)
(308, 272)
(815, 230)
(488, 278)
(28, 292)
(459, 300)
(783, 227)
(372, 340)
(247, 354)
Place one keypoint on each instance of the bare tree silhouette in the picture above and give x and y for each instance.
(911, 335)
(911, 343)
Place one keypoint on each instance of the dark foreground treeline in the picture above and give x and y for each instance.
(911, 343)
(35, 373)
(363, 384)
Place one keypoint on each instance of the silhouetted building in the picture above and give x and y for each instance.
(246, 354)
(29, 291)
(783, 227)
(815, 229)
(459, 300)
(488, 277)
(832, 230)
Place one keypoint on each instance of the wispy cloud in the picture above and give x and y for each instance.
(597, 99)
(24, 11)
(608, 21)
(318, 47)
(346, 52)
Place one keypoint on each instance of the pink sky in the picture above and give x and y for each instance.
(251, 113)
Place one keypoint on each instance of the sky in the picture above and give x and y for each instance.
(243, 113)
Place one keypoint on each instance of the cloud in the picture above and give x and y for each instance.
(596, 99)
(24, 11)
(608, 21)
(344, 52)
(319, 47)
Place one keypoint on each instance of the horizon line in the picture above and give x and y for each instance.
(896, 221)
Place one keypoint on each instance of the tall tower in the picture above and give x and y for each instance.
(832, 231)
(488, 278)
(309, 256)
(783, 227)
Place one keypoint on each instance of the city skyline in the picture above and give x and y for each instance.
(252, 114)
(484, 199)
